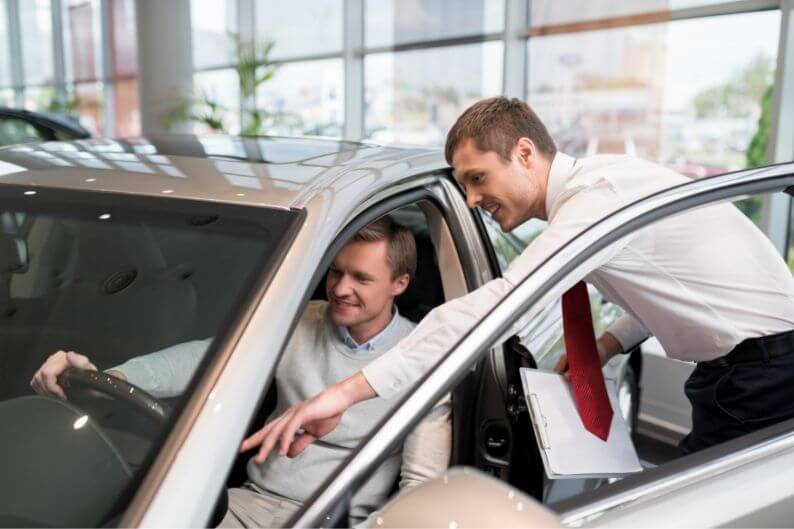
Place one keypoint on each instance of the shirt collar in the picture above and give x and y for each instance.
(560, 171)
(373, 342)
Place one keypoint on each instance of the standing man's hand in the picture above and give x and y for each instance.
(315, 418)
(607, 346)
(45, 380)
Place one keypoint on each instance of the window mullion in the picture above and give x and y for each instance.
(775, 214)
(15, 47)
(354, 69)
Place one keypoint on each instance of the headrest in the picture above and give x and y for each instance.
(425, 291)
(13, 253)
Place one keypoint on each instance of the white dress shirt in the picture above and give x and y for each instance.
(701, 281)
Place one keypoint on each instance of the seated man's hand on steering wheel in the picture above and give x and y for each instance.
(45, 380)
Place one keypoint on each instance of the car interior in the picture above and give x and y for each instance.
(110, 291)
(428, 289)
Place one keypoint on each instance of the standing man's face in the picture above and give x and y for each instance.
(511, 193)
(360, 287)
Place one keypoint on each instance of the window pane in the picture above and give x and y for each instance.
(213, 23)
(127, 114)
(82, 33)
(5, 57)
(39, 98)
(294, 33)
(550, 13)
(647, 91)
(7, 97)
(125, 54)
(390, 22)
(305, 98)
(218, 97)
(415, 96)
(35, 18)
(88, 106)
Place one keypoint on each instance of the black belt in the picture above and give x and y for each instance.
(757, 350)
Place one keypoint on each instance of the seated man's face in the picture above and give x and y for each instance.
(360, 286)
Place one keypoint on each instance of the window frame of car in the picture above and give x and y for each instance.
(435, 188)
(548, 281)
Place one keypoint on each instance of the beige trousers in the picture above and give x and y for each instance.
(249, 507)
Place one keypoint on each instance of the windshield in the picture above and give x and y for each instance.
(108, 279)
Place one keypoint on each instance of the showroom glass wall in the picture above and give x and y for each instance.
(75, 56)
(681, 82)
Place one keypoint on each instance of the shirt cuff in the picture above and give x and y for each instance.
(628, 331)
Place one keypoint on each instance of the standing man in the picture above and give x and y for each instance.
(724, 302)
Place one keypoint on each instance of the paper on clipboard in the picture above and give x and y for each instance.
(567, 448)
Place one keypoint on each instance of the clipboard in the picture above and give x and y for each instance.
(568, 450)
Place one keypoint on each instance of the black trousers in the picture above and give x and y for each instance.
(732, 400)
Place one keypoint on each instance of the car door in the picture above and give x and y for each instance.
(709, 488)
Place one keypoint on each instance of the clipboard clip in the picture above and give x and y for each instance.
(539, 421)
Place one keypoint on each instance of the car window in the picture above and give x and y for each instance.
(14, 130)
(543, 336)
(139, 288)
(322, 347)
(508, 246)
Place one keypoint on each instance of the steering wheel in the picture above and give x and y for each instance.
(117, 389)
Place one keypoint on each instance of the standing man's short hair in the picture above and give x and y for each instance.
(496, 124)
(401, 252)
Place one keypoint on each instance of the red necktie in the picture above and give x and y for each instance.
(584, 366)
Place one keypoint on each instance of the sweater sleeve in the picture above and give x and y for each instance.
(165, 373)
(427, 450)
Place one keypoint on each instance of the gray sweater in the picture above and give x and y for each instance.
(315, 358)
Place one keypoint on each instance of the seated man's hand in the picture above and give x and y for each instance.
(45, 380)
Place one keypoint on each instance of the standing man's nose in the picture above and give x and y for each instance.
(473, 199)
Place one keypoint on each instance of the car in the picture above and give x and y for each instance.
(22, 126)
(115, 248)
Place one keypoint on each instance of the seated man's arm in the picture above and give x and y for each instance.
(163, 373)
(427, 450)
(425, 455)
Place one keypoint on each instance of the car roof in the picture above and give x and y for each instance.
(266, 171)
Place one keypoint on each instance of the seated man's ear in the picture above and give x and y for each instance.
(399, 284)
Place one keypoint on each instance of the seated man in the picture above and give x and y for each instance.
(332, 341)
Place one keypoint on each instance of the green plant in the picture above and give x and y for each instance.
(253, 67)
(756, 155)
(201, 109)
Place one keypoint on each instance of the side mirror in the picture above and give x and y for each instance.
(465, 497)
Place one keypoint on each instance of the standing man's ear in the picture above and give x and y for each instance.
(399, 284)
(525, 151)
